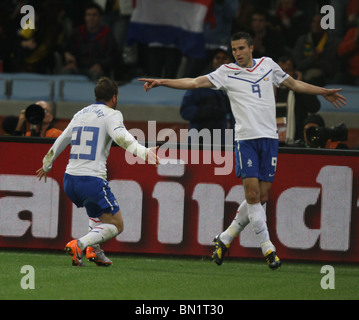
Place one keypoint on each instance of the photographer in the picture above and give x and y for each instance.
(40, 117)
(316, 135)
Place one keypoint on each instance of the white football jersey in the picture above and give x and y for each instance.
(91, 133)
(251, 94)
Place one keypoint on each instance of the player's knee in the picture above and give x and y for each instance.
(120, 226)
(252, 196)
(251, 190)
(118, 221)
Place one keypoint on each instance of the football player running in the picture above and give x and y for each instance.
(91, 133)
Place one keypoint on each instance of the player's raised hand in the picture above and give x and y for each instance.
(334, 97)
(150, 83)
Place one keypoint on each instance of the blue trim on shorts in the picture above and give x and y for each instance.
(92, 193)
(256, 158)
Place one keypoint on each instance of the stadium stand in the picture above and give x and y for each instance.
(3, 89)
(76, 90)
(32, 89)
(69, 93)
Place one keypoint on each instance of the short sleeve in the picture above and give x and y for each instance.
(114, 122)
(278, 74)
(218, 77)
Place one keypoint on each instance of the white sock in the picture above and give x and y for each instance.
(94, 222)
(256, 216)
(238, 224)
(100, 233)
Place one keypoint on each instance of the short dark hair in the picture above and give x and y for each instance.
(93, 5)
(243, 35)
(261, 12)
(105, 89)
(284, 59)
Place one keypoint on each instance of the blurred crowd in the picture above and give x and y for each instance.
(89, 37)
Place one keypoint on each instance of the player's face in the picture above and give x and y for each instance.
(242, 52)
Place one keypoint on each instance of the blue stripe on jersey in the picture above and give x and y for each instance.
(250, 80)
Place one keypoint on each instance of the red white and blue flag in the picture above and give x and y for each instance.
(170, 22)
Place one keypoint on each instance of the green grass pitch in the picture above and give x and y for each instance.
(169, 278)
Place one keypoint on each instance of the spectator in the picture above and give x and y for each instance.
(292, 108)
(315, 54)
(43, 129)
(352, 12)
(9, 23)
(34, 49)
(348, 50)
(341, 17)
(166, 33)
(91, 48)
(290, 21)
(117, 14)
(311, 8)
(162, 60)
(9, 124)
(206, 108)
(267, 42)
(117, 17)
(216, 34)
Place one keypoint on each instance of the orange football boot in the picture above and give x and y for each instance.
(97, 256)
(75, 252)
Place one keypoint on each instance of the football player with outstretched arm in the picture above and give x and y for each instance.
(91, 133)
(249, 85)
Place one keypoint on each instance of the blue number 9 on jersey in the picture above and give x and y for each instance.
(257, 89)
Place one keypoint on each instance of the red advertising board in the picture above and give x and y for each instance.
(177, 209)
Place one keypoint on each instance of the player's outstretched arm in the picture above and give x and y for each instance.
(183, 83)
(332, 95)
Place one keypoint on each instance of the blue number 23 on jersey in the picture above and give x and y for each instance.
(92, 143)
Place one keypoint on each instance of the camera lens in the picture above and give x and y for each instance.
(34, 114)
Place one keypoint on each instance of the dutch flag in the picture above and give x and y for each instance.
(170, 22)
